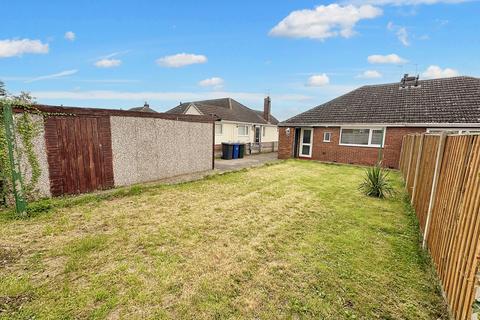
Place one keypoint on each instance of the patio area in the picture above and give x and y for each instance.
(246, 162)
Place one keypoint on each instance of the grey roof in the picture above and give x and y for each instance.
(144, 108)
(443, 101)
(226, 109)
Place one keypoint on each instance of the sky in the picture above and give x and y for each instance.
(119, 54)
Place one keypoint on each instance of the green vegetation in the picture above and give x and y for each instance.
(376, 182)
(15, 186)
(295, 239)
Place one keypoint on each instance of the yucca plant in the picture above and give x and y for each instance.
(376, 182)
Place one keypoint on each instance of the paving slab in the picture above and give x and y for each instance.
(246, 162)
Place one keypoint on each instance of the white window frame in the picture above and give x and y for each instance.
(247, 130)
(459, 130)
(369, 145)
(307, 144)
(221, 129)
(329, 136)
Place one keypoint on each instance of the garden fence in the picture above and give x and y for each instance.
(442, 177)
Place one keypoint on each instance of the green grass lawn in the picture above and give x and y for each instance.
(290, 240)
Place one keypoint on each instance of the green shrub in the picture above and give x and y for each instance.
(376, 182)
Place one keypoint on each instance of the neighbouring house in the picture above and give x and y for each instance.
(354, 127)
(145, 108)
(237, 123)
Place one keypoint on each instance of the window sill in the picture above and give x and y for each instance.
(361, 145)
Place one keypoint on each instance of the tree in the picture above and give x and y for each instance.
(3, 91)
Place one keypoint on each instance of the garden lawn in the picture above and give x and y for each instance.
(291, 240)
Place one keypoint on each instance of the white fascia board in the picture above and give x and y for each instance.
(368, 125)
(249, 123)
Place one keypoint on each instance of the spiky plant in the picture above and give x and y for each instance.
(376, 182)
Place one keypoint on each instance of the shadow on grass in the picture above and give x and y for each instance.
(47, 205)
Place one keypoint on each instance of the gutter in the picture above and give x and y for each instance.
(421, 125)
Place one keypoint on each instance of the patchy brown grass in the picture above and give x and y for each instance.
(291, 240)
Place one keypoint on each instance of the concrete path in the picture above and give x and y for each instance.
(246, 162)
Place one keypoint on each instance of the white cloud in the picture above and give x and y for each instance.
(181, 60)
(403, 2)
(318, 80)
(370, 74)
(113, 54)
(401, 33)
(389, 58)
(12, 48)
(108, 63)
(53, 76)
(324, 21)
(164, 96)
(108, 80)
(70, 35)
(214, 82)
(434, 72)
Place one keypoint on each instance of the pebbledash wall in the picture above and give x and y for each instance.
(140, 147)
(43, 184)
(148, 149)
(333, 152)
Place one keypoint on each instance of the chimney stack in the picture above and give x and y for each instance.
(266, 109)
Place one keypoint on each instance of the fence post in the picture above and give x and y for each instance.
(419, 157)
(402, 150)
(433, 193)
(17, 184)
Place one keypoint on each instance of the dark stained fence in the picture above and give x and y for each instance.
(79, 153)
(444, 187)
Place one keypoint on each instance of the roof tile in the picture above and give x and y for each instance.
(226, 109)
(446, 100)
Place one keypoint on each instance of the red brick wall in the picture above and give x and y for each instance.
(285, 143)
(333, 152)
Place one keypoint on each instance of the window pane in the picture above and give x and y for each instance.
(242, 130)
(305, 150)
(218, 128)
(326, 136)
(377, 137)
(306, 136)
(355, 136)
(444, 130)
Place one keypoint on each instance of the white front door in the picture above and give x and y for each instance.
(306, 140)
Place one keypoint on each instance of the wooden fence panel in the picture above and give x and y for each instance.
(79, 153)
(424, 181)
(453, 233)
(403, 153)
(413, 162)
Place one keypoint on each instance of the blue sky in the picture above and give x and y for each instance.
(118, 54)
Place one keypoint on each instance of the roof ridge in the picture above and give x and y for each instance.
(420, 81)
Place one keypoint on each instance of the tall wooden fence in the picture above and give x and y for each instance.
(442, 177)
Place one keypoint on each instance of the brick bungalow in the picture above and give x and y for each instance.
(353, 127)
